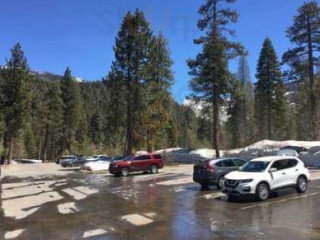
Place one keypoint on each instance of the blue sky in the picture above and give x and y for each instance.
(81, 33)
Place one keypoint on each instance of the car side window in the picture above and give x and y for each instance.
(276, 165)
(228, 163)
(281, 164)
(142, 157)
(239, 162)
(292, 163)
(219, 164)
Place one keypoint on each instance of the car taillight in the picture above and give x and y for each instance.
(210, 168)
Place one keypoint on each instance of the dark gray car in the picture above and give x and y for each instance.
(212, 172)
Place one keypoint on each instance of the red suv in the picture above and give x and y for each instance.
(147, 162)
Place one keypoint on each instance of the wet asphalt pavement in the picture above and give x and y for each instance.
(100, 206)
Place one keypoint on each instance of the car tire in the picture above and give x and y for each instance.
(64, 165)
(302, 185)
(220, 182)
(154, 169)
(124, 172)
(262, 192)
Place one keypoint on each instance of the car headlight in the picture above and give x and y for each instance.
(246, 180)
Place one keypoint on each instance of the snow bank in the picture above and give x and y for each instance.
(261, 148)
(268, 144)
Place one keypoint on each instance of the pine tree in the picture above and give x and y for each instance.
(29, 142)
(241, 107)
(305, 34)
(271, 106)
(15, 95)
(95, 128)
(71, 109)
(209, 70)
(131, 53)
(156, 94)
(53, 123)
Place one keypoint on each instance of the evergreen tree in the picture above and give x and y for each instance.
(29, 142)
(71, 109)
(271, 106)
(305, 34)
(209, 70)
(95, 128)
(15, 95)
(241, 107)
(157, 87)
(131, 53)
(53, 123)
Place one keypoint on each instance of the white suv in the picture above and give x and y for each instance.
(261, 176)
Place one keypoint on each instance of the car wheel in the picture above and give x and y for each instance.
(64, 165)
(262, 192)
(154, 169)
(220, 183)
(302, 185)
(124, 172)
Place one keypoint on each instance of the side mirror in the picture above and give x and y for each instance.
(272, 170)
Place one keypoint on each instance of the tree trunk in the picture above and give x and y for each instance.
(313, 104)
(10, 150)
(45, 147)
(269, 118)
(39, 150)
(244, 104)
(129, 126)
(150, 147)
(215, 127)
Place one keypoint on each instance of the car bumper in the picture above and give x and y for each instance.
(240, 189)
(207, 179)
(114, 170)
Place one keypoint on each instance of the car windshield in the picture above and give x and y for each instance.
(69, 157)
(129, 157)
(254, 166)
(118, 158)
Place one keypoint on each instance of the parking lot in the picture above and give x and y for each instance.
(47, 202)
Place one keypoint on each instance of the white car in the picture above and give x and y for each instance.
(97, 157)
(97, 165)
(261, 176)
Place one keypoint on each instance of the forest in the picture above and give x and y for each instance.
(131, 108)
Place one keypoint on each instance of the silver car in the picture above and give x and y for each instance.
(212, 172)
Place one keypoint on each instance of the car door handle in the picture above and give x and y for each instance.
(283, 173)
(297, 170)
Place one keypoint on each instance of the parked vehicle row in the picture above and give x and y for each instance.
(258, 177)
(119, 166)
(80, 161)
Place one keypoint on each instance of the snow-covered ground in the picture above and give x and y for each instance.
(261, 148)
